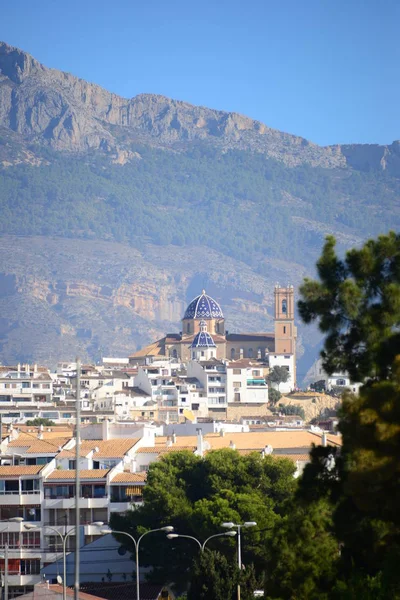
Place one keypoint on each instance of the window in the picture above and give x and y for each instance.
(237, 371)
(284, 306)
(256, 373)
(233, 355)
(202, 352)
(284, 329)
(188, 328)
(237, 384)
(250, 352)
(31, 539)
(30, 566)
(72, 464)
(26, 384)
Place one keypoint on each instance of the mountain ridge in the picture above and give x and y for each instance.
(56, 108)
(115, 213)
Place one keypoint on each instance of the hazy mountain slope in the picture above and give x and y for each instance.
(158, 197)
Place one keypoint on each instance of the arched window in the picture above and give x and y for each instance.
(250, 352)
(259, 353)
(284, 306)
(232, 353)
(188, 328)
(193, 354)
(175, 353)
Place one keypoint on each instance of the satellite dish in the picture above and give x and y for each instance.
(59, 579)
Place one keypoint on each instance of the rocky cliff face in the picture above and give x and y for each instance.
(58, 297)
(69, 114)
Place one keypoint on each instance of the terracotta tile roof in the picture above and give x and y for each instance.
(84, 474)
(154, 349)
(17, 470)
(66, 454)
(116, 448)
(130, 478)
(164, 449)
(294, 457)
(109, 448)
(257, 440)
(35, 446)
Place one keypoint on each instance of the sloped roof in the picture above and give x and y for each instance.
(164, 449)
(155, 349)
(62, 475)
(257, 440)
(130, 477)
(15, 471)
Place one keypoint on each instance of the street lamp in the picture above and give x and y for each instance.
(64, 537)
(172, 536)
(167, 529)
(230, 525)
(12, 520)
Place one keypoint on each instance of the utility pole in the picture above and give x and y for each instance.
(6, 572)
(239, 560)
(77, 478)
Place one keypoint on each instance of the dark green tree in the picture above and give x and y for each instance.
(213, 576)
(274, 396)
(196, 495)
(278, 375)
(357, 304)
(40, 421)
(304, 554)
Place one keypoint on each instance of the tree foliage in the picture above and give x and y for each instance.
(196, 495)
(357, 305)
(40, 421)
(274, 396)
(278, 375)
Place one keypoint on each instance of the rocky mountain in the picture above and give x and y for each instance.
(116, 211)
(49, 106)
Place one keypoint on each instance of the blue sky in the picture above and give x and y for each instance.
(327, 70)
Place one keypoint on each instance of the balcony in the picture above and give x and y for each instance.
(70, 502)
(19, 498)
(15, 578)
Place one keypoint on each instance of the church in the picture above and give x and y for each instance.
(204, 316)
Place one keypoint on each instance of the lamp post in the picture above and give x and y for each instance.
(64, 537)
(172, 536)
(167, 529)
(12, 520)
(238, 526)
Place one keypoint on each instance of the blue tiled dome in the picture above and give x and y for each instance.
(203, 339)
(203, 307)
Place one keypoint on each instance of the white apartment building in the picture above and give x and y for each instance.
(246, 382)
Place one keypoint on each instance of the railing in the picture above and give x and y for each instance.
(21, 547)
(19, 492)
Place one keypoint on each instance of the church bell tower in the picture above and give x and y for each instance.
(285, 329)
